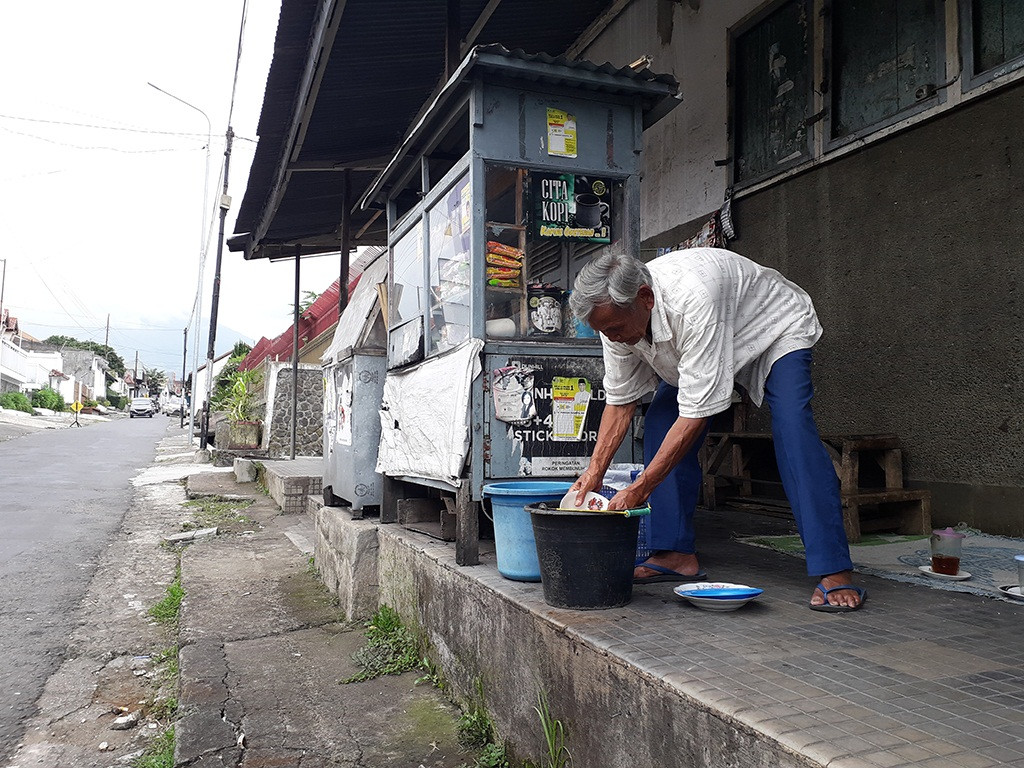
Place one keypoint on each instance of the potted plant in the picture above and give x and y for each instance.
(244, 427)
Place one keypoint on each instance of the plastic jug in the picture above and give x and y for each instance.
(946, 548)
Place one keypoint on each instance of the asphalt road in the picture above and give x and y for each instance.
(63, 494)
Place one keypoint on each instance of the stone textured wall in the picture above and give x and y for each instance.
(277, 435)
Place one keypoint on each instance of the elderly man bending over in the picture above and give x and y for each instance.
(688, 326)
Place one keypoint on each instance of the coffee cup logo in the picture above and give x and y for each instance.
(590, 209)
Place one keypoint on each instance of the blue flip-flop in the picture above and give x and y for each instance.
(667, 574)
(826, 608)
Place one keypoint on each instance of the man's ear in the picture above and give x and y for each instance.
(646, 296)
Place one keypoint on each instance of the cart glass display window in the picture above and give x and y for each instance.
(450, 244)
(406, 293)
(541, 227)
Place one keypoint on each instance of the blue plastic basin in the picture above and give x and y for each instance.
(514, 545)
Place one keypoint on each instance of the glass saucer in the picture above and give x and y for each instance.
(927, 571)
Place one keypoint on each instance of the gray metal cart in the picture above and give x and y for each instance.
(521, 169)
(354, 367)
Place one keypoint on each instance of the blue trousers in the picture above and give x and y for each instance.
(808, 477)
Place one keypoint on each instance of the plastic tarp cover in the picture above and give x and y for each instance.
(425, 417)
(357, 318)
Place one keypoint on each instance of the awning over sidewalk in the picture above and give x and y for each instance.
(347, 80)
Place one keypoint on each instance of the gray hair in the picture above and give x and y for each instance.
(608, 279)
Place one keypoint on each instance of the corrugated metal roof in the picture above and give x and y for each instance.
(644, 75)
(385, 64)
(657, 93)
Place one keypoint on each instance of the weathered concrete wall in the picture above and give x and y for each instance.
(911, 249)
(681, 180)
(615, 718)
(345, 553)
(277, 397)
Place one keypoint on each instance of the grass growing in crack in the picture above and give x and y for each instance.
(167, 610)
(159, 753)
(476, 729)
(390, 648)
(168, 658)
(492, 756)
(432, 674)
(164, 709)
(213, 511)
(554, 737)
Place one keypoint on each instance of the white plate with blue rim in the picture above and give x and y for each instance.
(717, 595)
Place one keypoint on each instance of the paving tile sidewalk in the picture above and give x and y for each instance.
(919, 677)
(263, 653)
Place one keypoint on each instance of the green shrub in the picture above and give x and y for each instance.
(239, 401)
(115, 400)
(48, 398)
(90, 403)
(15, 401)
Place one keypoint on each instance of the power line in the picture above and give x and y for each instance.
(112, 128)
(238, 60)
(124, 328)
(108, 149)
(5, 179)
(102, 127)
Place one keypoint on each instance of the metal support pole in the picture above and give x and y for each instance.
(346, 242)
(295, 353)
(184, 362)
(202, 264)
(225, 204)
(3, 284)
(452, 38)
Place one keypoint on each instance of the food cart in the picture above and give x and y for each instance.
(520, 170)
(353, 368)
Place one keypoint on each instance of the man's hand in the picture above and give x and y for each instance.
(586, 483)
(631, 497)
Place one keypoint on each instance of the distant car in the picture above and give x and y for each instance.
(141, 406)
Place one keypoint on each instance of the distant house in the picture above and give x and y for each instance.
(199, 388)
(90, 372)
(14, 364)
(46, 370)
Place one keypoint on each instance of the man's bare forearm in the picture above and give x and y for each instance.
(677, 443)
(614, 424)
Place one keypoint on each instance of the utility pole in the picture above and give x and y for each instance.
(3, 284)
(184, 361)
(202, 261)
(106, 339)
(225, 204)
(136, 375)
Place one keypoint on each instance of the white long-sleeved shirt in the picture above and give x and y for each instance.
(718, 319)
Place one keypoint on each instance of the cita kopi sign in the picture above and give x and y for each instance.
(571, 207)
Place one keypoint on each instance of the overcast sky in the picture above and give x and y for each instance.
(102, 179)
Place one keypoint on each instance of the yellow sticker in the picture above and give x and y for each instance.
(561, 133)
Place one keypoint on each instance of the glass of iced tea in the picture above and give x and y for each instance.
(946, 547)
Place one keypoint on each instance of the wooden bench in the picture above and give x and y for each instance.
(870, 470)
